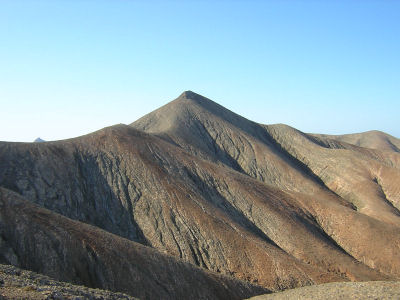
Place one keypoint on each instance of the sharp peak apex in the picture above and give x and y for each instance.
(189, 95)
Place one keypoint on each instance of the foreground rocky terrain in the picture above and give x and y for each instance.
(194, 184)
(372, 290)
(19, 284)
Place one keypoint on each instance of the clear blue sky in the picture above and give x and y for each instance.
(71, 67)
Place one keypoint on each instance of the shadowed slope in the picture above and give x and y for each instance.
(37, 239)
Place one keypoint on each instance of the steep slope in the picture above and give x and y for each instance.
(359, 175)
(204, 182)
(210, 131)
(147, 190)
(280, 155)
(40, 240)
(364, 179)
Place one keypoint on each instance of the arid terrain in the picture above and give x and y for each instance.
(371, 290)
(195, 201)
(21, 284)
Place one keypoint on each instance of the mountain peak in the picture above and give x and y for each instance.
(183, 110)
(38, 140)
(188, 98)
(189, 95)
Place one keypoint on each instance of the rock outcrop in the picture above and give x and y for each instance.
(16, 284)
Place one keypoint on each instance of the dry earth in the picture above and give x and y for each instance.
(373, 290)
(16, 284)
(371, 139)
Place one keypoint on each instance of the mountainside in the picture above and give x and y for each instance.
(75, 252)
(368, 179)
(267, 204)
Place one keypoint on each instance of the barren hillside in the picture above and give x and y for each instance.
(266, 204)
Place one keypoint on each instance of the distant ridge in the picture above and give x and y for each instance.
(373, 139)
(38, 140)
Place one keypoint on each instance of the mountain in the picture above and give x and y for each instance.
(371, 139)
(279, 155)
(266, 204)
(38, 140)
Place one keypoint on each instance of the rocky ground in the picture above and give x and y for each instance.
(376, 290)
(21, 284)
